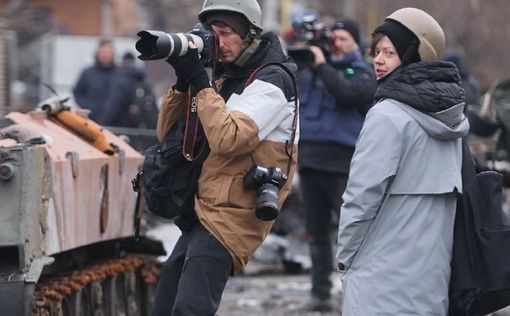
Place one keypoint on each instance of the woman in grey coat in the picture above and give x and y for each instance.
(396, 228)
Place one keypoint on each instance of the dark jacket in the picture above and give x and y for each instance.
(106, 92)
(429, 87)
(143, 112)
(333, 102)
(233, 77)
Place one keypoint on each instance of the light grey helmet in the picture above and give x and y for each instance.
(425, 27)
(250, 9)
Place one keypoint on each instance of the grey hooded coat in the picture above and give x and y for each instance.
(396, 224)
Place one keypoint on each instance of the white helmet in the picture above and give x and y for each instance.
(427, 30)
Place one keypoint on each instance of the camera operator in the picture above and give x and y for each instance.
(245, 127)
(335, 94)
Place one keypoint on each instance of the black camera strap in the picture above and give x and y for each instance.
(138, 187)
(193, 129)
(289, 144)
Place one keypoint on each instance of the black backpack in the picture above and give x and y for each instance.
(170, 180)
(169, 176)
(480, 278)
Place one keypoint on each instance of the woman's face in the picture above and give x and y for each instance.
(385, 57)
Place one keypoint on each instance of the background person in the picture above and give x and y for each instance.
(244, 126)
(103, 90)
(469, 83)
(335, 94)
(143, 112)
(396, 229)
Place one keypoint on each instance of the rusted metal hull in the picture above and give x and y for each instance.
(58, 195)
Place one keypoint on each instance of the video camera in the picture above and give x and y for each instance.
(154, 45)
(307, 32)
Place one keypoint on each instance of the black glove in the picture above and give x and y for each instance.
(181, 84)
(190, 68)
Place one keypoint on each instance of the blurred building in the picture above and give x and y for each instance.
(50, 41)
(86, 17)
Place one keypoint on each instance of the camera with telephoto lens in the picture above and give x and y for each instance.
(268, 182)
(308, 32)
(154, 45)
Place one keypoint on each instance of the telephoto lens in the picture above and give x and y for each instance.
(154, 45)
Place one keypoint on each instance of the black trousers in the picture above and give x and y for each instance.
(322, 196)
(194, 276)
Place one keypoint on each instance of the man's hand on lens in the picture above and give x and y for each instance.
(181, 84)
(190, 68)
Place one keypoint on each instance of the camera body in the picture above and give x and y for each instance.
(154, 45)
(308, 32)
(312, 33)
(268, 182)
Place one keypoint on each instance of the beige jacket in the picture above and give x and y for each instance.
(258, 121)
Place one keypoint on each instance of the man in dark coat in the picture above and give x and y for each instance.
(103, 90)
(334, 95)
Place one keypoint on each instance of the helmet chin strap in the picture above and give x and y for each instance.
(250, 44)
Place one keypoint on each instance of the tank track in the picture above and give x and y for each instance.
(120, 286)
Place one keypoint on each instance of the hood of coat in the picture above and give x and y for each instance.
(431, 93)
(444, 125)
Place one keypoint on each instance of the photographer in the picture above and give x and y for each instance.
(245, 127)
(335, 94)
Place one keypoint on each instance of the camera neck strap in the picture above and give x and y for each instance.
(192, 129)
(289, 144)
